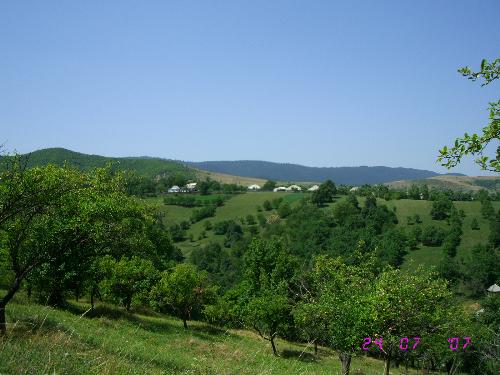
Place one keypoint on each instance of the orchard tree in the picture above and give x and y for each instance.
(128, 279)
(408, 305)
(336, 309)
(325, 193)
(183, 292)
(269, 274)
(475, 144)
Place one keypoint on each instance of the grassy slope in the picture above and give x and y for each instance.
(432, 255)
(236, 208)
(243, 204)
(452, 182)
(43, 340)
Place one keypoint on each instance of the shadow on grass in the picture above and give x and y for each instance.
(299, 355)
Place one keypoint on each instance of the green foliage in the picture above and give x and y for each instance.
(269, 185)
(284, 210)
(325, 193)
(267, 205)
(481, 269)
(202, 213)
(441, 207)
(433, 236)
(183, 292)
(474, 224)
(475, 144)
(127, 280)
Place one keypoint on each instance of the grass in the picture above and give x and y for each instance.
(44, 340)
(236, 208)
(240, 205)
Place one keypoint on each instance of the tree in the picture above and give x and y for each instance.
(408, 305)
(474, 224)
(284, 210)
(433, 236)
(269, 274)
(269, 185)
(441, 207)
(475, 144)
(182, 291)
(267, 205)
(335, 310)
(28, 199)
(325, 193)
(481, 269)
(127, 279)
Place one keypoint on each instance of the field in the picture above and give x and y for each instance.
(236, 208)
(43, 340)
(240, 205)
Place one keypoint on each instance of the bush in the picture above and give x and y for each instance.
(474, 224)
(250, 219)
(433, 236)
(202, 213)
(267, 205)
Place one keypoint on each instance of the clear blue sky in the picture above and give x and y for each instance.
(320, 83)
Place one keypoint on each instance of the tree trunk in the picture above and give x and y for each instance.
(3, 322)
(274, 346)
(315, 347)
(387, 365)
(345, 359)
(92, 299)
(185, 323)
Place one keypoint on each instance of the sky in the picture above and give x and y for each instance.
(318, 83)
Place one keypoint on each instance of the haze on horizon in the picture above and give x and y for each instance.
(313, 83)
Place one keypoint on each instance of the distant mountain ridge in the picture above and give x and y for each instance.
(295, 172)
(144, 166)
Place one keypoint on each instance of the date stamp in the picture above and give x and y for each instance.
(411, 343)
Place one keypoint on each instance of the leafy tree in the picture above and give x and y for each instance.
(183, 292)
(495, 231)
(433, 236)
(269, 185)
(325, 193)
(481, 269)
(202, 213)
(203, 187)
(441, 207)
(474, 224)
(128, 279)
(475, 144)
(408, 305)
(392, 248)
(250, 219)
(269, 274)
(417, 219)
(52, 216)
(284, 210)
(487, 209)
(267, 205)
(335, 310)
(276, 202)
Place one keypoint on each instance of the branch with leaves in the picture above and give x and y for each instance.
(475, 144)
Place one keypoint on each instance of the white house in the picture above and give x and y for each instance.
(191, 186)
(494, 288)
(313, 188)
(354, 189)
(254, 187)
(294, 188)
(279, 188)
(174, 189)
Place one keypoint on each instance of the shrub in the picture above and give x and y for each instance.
(433, 236)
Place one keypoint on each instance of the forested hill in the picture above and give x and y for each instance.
(145, 166)
(295, 172)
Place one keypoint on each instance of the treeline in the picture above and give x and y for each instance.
(325, 276)
(422, 192)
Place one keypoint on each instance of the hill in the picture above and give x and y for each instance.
(145, 166)
(452, 182)
(294, 172)
(44, 340)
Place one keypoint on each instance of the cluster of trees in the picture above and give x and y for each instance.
(188, 200)
(64, 231)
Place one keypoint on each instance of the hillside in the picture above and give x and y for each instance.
(145, 166)
(44, 340)
(294, 172)
(491, 183)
